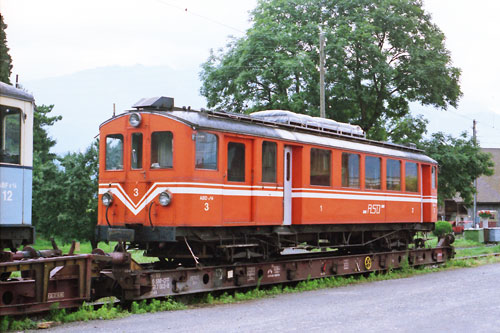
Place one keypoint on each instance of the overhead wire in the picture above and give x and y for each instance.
(469, 118)
(185, 9)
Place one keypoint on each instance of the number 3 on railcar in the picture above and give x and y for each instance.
(16, 166)
(184, 185)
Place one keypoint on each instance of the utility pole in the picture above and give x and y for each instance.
(475, 180)
(322, 75)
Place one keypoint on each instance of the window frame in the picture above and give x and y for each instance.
(320, 155)
(434, 177)
(216, 152)
(151, 152)
(275, 164)
(106, 152)
(342, 170)
(229, 174)
(387, 175)
(3, 133)
(417, 176)
(140, 159)
(379, 172)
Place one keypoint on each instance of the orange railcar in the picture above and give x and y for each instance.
(181, 183)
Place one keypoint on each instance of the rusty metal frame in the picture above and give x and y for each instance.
(66, 280)
(73, 279)
(151, 283)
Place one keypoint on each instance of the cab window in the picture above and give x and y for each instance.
(136, 151)
(10, 135)
(161, 150)
(350, 170)
(269, 162)
(320, 167)
(206, 151)
(411, 177)
(114, 152)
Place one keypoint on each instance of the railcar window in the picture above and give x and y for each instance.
(206, 151)
(269, 162)
(433, 176)
(288, 165)
(393, 180)
(411, 177)
(10, 135)
(372, 172)
(320, 167)
(114, 152)
(350, 170)
(161, 150)
(235, 162)
(136, 151)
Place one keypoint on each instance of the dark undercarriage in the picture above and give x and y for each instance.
(213, 245)
(14, 235)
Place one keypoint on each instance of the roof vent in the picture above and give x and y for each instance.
(166, 103)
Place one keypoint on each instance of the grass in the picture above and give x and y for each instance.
(87, 312)
(460, 241)
(477, 250)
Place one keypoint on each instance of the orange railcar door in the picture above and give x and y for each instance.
(429, 193)
(237, 190)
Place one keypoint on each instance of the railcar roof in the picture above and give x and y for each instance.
(11, 91)
(243, 124)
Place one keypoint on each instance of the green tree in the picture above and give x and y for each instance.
(77, 214)
(405, 130)
(380, 55)
(460, 162)
(47, 191)
(46, 174)
(5, 58)
(42, 143)
(64, 187)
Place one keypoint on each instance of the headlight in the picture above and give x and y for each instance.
(165, 198)
(134, 119)
(107, 199)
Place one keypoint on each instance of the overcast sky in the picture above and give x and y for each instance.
(52, 38)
